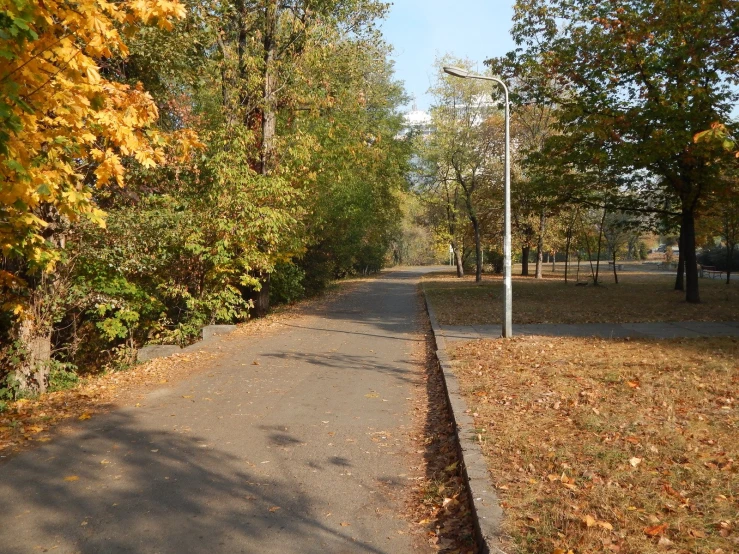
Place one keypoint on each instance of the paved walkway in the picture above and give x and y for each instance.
(662, 330)
(296, 442)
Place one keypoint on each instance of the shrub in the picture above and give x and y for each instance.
(286, 284)
(716, 257)
(62, 376)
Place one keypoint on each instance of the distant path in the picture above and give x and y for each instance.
(295, 442)
(658, 330)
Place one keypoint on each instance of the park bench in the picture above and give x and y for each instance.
(619, 266)
(711, 271)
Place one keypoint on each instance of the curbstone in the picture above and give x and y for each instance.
(487, 513)
(152, 351)
(207, 333)
(210, 331)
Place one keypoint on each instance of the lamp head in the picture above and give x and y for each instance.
(456, 71)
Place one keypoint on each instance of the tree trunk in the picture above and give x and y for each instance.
(679, 278)
(615, 274)
(570, 229)
(269, 123)
(525, 251)
(590, 256)
(261, 302)
(540, 245)
(458, 260)
(32, 372)
(478, 249)
(269, 117)
(691, 264)
(600, 246)
(554, 261)
(729, 261)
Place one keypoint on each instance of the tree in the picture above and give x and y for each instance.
(642, 78)
(467, 143)
(295, 162)
(65, 131)
(721, 219)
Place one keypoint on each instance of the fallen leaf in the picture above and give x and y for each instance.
(656, 530)
(273, 509)
(345, 524)
(589, 520)
(696, 534)
(71, 478)
(635, 461)
(84, 416)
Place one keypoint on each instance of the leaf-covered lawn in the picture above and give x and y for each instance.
(610, 445)
(640, 297)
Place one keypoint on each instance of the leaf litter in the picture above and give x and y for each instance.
(439, 505)
(626, 446)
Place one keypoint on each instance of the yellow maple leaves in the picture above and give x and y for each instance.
(64, 126)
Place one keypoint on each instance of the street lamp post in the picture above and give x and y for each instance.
(507, 283)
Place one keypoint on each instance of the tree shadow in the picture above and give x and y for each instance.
(398, 369)
(121, 488)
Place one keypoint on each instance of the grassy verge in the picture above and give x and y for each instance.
(640, 296)
(610, 446)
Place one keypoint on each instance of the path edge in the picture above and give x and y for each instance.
(486, 511)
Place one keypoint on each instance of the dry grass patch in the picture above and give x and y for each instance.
(639, 297)
(610, 446)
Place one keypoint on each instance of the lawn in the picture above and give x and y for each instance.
(628, 446)
(641, 296)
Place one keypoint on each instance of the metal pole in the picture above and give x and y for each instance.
(508, 301)
(508, 293)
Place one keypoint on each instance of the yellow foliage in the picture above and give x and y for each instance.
(69, 127)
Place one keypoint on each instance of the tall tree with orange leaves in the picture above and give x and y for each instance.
(65, 131)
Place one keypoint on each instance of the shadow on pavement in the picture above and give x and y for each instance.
(120, 488)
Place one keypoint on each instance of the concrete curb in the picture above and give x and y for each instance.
(207, 333)
(487, 513)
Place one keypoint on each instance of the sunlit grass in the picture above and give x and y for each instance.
(640, 296)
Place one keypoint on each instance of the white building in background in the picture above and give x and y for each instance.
(416, 120)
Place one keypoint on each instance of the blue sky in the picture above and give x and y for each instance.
(419, 30)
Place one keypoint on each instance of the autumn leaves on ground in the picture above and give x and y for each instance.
(594, 445)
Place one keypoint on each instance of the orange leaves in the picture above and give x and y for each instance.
(656, 530)
(590, 521)
(57, 111)
(653, 471)
(109, 168)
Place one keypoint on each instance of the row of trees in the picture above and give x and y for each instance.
(614, 126)
(168, 164)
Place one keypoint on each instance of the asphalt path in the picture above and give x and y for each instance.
(293, 442)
